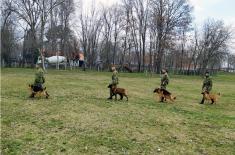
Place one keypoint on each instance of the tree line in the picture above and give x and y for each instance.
(141, 34)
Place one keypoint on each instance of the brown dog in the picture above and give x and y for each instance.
(37, 91)
(211, 97)
(162, 93)
(120, 91)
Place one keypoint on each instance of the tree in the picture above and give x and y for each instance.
(142, 12)
(89, 34)
(8, 38)
(214, 43)
(168, 15)
(28, 12)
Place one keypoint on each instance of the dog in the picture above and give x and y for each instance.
(37, 91)
(166, 95)
(211, 97)
(120, 91)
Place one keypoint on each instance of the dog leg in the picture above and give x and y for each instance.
(115, 96)
(47, 95)
(121, 96)
(126, 97)
(32, 95)
(203, 99)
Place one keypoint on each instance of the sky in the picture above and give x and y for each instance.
(203, 9)
(217, 9)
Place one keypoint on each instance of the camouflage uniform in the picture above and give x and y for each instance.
(39, 80)
(164, 81)
(114, 82)
(39, 77)
(115, 78)
(207, 85)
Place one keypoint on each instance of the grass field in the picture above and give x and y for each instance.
(77, 118)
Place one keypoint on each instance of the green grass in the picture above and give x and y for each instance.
(77, 119)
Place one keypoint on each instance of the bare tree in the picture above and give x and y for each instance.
(45, 8)
(28, 12)
(168, 15)
(8, 39)
(91, 26)
(142, 11)
(214, 42)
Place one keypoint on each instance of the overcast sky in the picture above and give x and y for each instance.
(203, 9)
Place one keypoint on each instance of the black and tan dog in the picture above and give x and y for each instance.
(120, 91)
(37, 91)
(211, 97)
(164, 95)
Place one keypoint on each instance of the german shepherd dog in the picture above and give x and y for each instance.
(211, 97)
(164, 94)
(37, 91)
(120, 91)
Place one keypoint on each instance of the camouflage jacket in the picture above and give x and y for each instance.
(114, 78)
(39, 77)
(164, 81)
(207, 84)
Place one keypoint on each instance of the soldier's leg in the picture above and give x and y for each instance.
(111, 94)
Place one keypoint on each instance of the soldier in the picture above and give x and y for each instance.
(164, 81)
(114, 82)
(207, 85)
(39, 80)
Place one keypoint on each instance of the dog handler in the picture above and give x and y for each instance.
(164, 80)
(114, 81)
(207, 85)
(39, 79)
